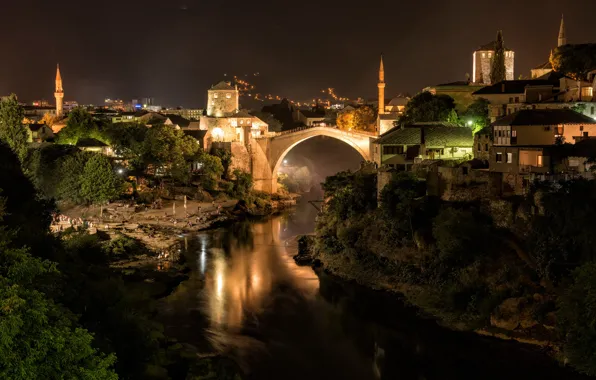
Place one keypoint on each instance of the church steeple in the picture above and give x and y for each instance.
(562, 38)
(59, 93)
(381, 86)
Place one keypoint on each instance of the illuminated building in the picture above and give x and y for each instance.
(482, 61)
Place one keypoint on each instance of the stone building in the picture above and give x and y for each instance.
(483, 60)
(59, 93)
(222, 100)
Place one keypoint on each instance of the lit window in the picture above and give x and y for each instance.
(509, 158)
(215, 95)
(539, 161)
(513, 133)
(213, 102)
(228, 95)
(499, 157)
(241, 121)
(490, 55)
(483, 55)
(479, 147)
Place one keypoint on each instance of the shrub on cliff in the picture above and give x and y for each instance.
(576, 317)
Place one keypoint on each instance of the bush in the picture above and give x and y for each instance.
(576, 318)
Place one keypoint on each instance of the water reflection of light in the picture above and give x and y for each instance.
(203, 252)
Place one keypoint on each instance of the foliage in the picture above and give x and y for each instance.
(242, 184)
(12, 130)
(99, 181)
(576, 61)
(477, 114)
(288, 183)
(80, 124)
(560, 236)
(126, 139)
(225, 157)
(497, 72)
(170, 151)
(358, 196)
(211, 170)
(426, 107)
(360, 119)
(42, 167)
(40, 339)
(576, 318)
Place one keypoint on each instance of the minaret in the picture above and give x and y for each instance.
(562, 38)
(59, 94)
(381, 87)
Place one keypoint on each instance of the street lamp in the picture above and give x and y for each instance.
(470, 123)
(120, 171)
(285, 162)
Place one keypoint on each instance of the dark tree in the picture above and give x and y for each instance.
(426, 107)
(497, 72)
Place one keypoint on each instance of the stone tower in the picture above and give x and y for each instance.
(59, 94)
(381, 86)
(562, 38)
(222, 100)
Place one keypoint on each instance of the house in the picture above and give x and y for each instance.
(550, 91)
(39, 133)
(177, 121)
(94, 145)
(402, 146)
(308, 117)
(526, 142)
(482, 144)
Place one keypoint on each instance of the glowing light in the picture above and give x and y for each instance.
(120, 171)
(285, 162)
(218, 133)
(470, 123)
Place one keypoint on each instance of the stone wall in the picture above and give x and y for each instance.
(222, 103)
(240, 157)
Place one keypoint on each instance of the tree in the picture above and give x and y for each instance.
(170, 151)
(226, 160)
(48, 119)
(211, 170)
(12, 130)
(360, 119)
(126, 139)
(71, 177)
(242, 184)
(398, 204)
(497, 71)
(574, 60)
(426, 107)
(476, 115)
(39, 338)
(80, 124)
(575, 317)
(99, 182)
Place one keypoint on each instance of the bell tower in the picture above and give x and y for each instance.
(59, 93)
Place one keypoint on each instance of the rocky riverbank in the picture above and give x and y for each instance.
(514, 319)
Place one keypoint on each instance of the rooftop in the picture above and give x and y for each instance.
(178, 120)
(434, 134)
(515, 86)
(222, 86)
(491, 46)
(544, 117)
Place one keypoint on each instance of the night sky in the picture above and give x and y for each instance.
(174, 50)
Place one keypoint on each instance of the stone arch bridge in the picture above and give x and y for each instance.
(267, 152)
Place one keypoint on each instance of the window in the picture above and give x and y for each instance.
(585, 134)
(581, 128)
(215, 95)
(486, 147)
(559, 130)
(228, 95)
(464, 170)
(479, 147)
(509, 158)
(508, 133)
(490, 55)
(517, 99)
(499, 157)
(483, 55)
(547, 128)
(395, 149)
(514, 133)
(539, 161)
(508, 111)
(510, 100)
(241, 121)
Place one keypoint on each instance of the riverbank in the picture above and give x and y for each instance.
(514, 322)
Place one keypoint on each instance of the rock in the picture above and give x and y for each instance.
(507, 315)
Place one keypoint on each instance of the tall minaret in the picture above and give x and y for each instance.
(59, 94)
(381, 87)
(562, 38)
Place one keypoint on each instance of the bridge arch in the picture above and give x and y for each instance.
(275, 148)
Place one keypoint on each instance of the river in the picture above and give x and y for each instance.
(247, 299)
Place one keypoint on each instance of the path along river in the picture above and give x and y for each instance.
(247, 299)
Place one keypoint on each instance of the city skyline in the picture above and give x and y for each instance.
(111, 53)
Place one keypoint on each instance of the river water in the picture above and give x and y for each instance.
(247, 299)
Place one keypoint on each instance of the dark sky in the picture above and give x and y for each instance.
(174, 50)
